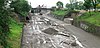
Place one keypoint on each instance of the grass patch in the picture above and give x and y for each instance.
(15, 35)
(59, 12)
(93, 19)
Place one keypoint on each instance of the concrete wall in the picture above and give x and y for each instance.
(91, 28)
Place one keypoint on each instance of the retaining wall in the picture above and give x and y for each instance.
(88, 27)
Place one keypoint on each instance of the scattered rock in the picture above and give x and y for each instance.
(51, 35)
(74, 44)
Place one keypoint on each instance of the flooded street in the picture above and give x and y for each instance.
(42, 32)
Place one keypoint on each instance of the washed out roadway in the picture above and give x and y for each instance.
(43, 32)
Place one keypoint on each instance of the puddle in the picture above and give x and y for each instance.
(50, 31)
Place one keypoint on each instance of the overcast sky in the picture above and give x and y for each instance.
(48, 3)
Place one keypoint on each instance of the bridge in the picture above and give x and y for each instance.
(37, 10)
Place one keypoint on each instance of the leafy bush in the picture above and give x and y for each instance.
(93, 19)
(14, 39)
(20, 7)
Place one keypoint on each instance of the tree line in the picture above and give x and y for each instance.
(6, 7)
(79, 5)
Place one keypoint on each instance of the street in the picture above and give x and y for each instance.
(42, 32)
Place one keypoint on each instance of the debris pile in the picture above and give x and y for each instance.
(45, 33)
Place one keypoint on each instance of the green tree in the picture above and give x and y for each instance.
(80, 5)
(98, 6)
(4, 23)
(72, 2)
(68, 6)
(94, 3)
(87, 4)
(91, 4)
(59, 4)
(20, 7)
(98, 1)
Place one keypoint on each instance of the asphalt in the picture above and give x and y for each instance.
(87, 39)
(42, 32)
(38, 35)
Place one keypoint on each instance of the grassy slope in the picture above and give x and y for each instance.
(94, 18)
(59, 12)
(15, 35)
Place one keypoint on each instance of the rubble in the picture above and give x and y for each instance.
(45, 33)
